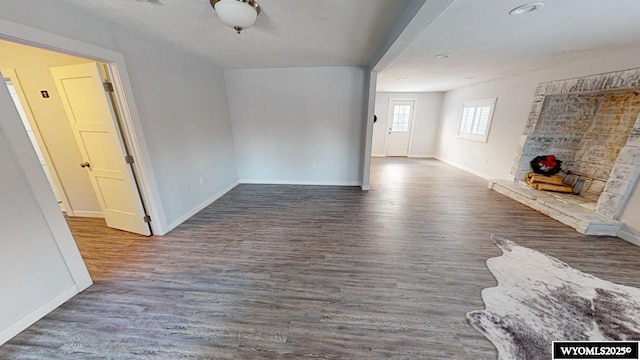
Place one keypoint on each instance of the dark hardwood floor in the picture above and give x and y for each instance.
(283, 272)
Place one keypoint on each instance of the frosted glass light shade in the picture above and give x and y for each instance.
(236, 14)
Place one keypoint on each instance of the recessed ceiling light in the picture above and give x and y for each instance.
(400, 78)
(443, 56)
(526, 8)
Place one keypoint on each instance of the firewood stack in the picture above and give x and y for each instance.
(548, 183)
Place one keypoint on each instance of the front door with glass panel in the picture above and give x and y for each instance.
(399, 127)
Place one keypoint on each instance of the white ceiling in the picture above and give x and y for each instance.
(287, 32)
(486, 43)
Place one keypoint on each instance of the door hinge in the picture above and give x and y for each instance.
(147, 218)
(129, 159)
(107, 86)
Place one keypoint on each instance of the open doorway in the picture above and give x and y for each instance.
(33, 218)
(68, 107)
(407, 124)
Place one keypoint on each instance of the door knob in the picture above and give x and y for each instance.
(85, 164)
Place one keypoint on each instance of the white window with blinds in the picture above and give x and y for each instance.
(475, 122)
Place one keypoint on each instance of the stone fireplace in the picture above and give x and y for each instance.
(592, 124)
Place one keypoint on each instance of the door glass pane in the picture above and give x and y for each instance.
(401, 115)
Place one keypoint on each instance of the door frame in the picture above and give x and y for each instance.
(12, 75)
(132, 130)
(390, 118)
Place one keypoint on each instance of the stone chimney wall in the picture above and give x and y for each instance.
(586, 131)
(592, 123)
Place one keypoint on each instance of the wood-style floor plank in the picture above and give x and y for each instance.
(282, 272)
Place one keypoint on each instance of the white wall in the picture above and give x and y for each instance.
(298, 125)
(32, 67)
(33, 270)
(425, 127)
(181, 99)
(495, 158)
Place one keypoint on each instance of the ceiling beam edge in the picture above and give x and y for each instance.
(416, 16)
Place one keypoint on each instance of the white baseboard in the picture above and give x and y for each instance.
(302, 182)
(28, 320)
(378, 155)
(462, 167)
(89, 214)
(200, 206)
(632, 238)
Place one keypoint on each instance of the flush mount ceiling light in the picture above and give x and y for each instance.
(238, 14)
(442, 56)
(526, 8)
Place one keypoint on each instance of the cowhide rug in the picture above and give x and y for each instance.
(540, 299)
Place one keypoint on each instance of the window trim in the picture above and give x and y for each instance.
(477, 103)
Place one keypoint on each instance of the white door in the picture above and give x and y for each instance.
(399, 127)
(94, 124)
(32, 136)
